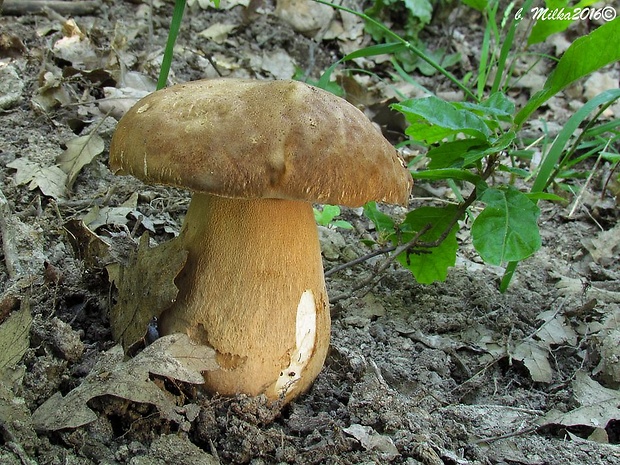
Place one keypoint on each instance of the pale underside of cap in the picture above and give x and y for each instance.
(259, 139)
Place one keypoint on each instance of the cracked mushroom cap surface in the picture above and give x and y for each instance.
(259, 139)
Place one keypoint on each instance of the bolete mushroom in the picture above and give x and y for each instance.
(256, 154)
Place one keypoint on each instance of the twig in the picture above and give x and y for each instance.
(608, 180)
(378, 374)
(9, 235)
(507, 435)
(585, 186)
(74, 8)
(389, 260)
(358, 260)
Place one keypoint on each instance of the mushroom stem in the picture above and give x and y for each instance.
(253, 289)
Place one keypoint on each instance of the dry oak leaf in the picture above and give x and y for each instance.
(173, 356)
(146, 288)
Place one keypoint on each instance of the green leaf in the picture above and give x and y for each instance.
(501, 143)
(342, 224)
(479, 5)
(535, 196)
(430, 264)
(449, 173)
(441, 57)
(175, 25)
(451, 154)
(498, 104)
(545, 28)
(585, 55)
(372, 50)
(392, 36)
(611, 157)
(383, 223)
(325, 217)
(507, 229)
(433, 119)
(465, 153)
(421, 9)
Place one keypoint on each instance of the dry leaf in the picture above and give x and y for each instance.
(14, 337)
(574, 286)
(279, 64)
(182, 359)
(101, 216)
(129, 380)
(224, 4)
(605, 246)
(50, 180)
(146, 288)
(534, 357)
(305, 16)
(534, 351)
(555, 329)
(607, 337)
(599, 82)
(117, 102)
(371, 440)
(15, 418)
(598, 405)
(218, 32)
(11, 86)
(79, 153)
(87, 245)
(52, 93)
(76, 48)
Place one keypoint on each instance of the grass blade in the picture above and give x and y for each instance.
(175, 25)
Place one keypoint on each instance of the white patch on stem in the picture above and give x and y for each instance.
(305, 339)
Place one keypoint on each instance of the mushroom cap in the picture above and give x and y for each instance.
(259, 139)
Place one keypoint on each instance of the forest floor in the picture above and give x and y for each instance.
(448, 373)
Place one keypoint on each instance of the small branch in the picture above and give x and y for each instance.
(73, 8)
(9, 240)
(507, 435)
(387, 262)
(588, 180)
(358, 260)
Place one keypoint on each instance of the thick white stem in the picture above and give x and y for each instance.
(253, 289)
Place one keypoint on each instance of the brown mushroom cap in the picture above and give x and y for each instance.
(259, 139)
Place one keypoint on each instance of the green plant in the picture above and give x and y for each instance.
(417, 14)
(325, 217)
(173, 32)
(471, 142)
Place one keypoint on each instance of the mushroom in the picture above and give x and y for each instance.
(256, 154)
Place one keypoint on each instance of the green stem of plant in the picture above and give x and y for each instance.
(175, 25)
(412, 48)
(507, 277)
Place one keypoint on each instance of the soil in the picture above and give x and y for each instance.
(416, 374)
